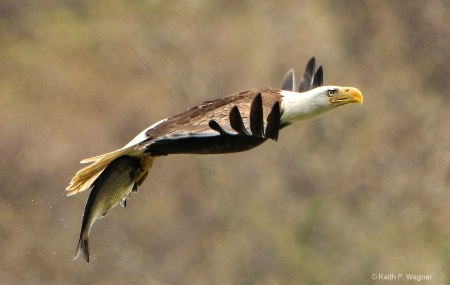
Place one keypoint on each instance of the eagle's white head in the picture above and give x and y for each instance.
(300, 106)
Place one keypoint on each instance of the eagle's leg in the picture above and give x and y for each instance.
(146, 164)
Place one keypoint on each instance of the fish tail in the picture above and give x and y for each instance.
(83, 247)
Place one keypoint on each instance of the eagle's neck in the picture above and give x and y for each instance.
(301, 106)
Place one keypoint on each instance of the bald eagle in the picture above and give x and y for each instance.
(235, 123)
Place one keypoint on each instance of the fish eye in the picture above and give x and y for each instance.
(330, 92)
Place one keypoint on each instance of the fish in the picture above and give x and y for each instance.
(114, 185)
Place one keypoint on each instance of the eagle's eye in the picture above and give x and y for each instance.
(330, 92)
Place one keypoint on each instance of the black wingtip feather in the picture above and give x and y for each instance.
(236, 121)
(318, 78)
(308, 75)
(289, 81)
(215, 126)
(273, 122)
(256, 116)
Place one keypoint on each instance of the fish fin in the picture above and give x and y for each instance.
(141, 180)
(123, 203)
(83, 247)
(84, 178)
(135, 187)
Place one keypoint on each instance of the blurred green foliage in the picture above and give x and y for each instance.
(361, 191)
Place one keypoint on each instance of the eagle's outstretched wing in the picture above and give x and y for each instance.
(231, 124)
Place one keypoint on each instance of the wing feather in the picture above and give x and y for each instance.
(289, 81)
(308, 75)
(273, 122)
(318, 78)
(256, 116)
(312, 78)
(244, 113)
(195, 122)
(236, 121)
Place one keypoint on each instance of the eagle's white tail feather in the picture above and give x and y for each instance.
(95, 158)
(84, 178)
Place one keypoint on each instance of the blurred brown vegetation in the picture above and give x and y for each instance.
(363, 190)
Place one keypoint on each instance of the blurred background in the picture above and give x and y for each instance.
(363, 190)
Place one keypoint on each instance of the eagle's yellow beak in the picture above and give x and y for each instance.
(347, 95)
